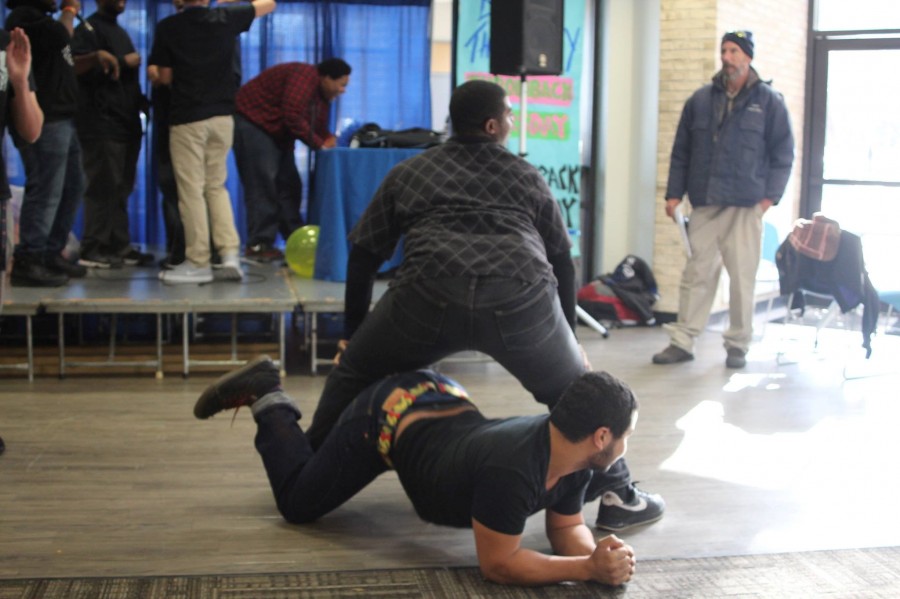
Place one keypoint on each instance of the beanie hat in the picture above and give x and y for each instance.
(744, 39)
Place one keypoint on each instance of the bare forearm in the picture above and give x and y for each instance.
(528, 568)
(27, 116)
(572, 541)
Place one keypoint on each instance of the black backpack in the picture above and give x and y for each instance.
(371, 135)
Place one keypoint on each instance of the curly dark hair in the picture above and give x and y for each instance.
(594, 400)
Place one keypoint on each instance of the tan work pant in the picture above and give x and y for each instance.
(199, 153)
(719, 235)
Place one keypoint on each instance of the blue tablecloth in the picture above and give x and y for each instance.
(345, 181)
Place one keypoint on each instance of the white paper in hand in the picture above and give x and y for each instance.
(682, 228)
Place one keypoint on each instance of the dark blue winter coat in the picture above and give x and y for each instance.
(734, 158)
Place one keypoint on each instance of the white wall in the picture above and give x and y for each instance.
(626, 162)
(441, 47)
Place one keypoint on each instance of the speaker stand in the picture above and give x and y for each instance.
(523, 133)
(523, 115)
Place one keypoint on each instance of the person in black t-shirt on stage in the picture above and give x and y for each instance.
(194, 52)
(457, 467)
(109, 128)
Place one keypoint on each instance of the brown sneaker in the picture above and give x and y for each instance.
(239, 388)
(672, 355)
(736, 358)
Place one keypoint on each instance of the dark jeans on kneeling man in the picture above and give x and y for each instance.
(519, 324)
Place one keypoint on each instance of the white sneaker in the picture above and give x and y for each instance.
(187, 272)
(230, 268)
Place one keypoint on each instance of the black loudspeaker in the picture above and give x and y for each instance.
(526, 37)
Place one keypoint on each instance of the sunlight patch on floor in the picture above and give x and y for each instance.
(806, 463)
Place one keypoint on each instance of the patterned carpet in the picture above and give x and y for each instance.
(860, 573)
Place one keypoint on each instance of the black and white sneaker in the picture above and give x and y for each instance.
(135, 257)
(99, 260)
(627, 508)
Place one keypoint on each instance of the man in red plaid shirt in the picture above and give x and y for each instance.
(284, 103)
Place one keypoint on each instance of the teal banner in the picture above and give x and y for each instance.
(553, 103)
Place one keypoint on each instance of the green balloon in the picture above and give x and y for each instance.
(300, 250)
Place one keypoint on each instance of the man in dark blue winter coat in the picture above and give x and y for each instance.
(732, 155)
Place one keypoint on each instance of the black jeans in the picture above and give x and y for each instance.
(308, 484)
(521, 325)
(110, 166)
(271, 182)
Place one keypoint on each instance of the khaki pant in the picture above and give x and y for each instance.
(719, 235)
(199, 152)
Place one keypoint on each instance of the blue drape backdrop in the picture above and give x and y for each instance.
(386, 42)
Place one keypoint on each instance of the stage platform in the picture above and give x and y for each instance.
(266, 289)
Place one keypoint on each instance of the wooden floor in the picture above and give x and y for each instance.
(114, 476)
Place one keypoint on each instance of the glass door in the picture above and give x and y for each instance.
(854, 150)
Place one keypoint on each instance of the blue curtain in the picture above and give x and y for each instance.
(386, 43)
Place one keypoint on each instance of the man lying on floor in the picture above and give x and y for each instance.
(457, 467)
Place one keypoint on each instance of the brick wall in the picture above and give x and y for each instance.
(690, 31)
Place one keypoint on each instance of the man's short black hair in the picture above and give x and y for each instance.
(38, 4)
(473, 103)
(333, 68)
(594, 400)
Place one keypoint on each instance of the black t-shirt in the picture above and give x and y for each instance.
(464, 467)
(109, 109)
(51, 61)
(198, 45)
(6, 94)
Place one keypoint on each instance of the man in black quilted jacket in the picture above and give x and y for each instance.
(487, 267)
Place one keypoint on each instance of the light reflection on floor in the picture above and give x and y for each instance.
(833, 481)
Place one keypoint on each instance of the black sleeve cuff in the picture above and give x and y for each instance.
(362, 266)
(564, 270)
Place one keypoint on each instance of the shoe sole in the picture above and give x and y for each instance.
(678, 361)
(599, 526)
(16, 282)
(96, 264)
(263, 259)
(228, 273)
(202, 407)
(181, 281)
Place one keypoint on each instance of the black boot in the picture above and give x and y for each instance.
(29, 271)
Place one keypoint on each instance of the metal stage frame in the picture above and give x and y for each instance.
(266, 289)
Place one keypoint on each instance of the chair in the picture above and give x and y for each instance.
(882, 249)
(818, 260)
(767, 281)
